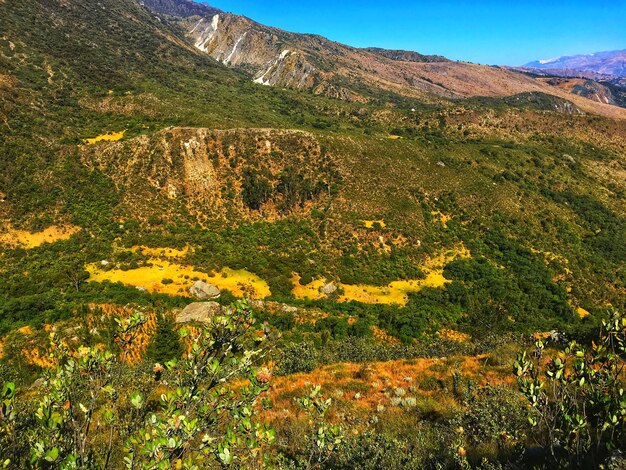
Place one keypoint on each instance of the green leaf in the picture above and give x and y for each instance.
(8, 390)
(52, 455)
(136, 399)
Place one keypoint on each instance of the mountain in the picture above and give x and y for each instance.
(610, 63)
(402, 225)
(271, 56)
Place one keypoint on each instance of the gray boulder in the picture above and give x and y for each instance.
(329, 288)
(201, 312)
(289, 308)
(201, 290)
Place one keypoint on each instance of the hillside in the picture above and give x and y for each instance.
(377, 192)
(401, 225)
(274, 57)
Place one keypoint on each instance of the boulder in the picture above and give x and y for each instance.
(200, 312)
(289, 308)
(329, 288)
(201, 290)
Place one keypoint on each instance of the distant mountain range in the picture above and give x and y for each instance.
(610, 63)
(308, 62)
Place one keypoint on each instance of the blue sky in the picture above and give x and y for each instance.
(507, 32)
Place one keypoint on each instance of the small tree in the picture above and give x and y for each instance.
(324, 437)
(579, 406)
(165, 344)
(195, 412)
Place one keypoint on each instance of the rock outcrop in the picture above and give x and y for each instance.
(200, 312)
(329, 288)
(201, 290)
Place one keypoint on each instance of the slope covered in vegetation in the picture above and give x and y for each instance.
(393, 229)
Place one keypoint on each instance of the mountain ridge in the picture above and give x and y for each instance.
(606, 63)
(306, 62)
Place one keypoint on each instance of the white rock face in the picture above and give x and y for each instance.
(207, 34)
(229, 59)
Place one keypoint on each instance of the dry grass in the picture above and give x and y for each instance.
(363, 388)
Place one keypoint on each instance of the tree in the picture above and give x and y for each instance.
(579, 406)
(196, 412)
(165, 344)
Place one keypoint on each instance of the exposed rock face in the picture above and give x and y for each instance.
(329, 288)
(590, 89)
(200, 312)
(239, 42)
(247, 173)
(201, 290)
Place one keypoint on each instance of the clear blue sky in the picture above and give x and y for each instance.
(506, 32)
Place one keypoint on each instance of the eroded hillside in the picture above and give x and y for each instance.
(218, 174)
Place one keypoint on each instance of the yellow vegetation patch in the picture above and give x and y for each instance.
(38, 358)
(110, 137)
(370, 223)
(441, 217)
(582, 313)
(24, 239)
(25, 330)
(311, 291)
(240, 283)
(395, 292)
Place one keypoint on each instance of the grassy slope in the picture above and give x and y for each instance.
(515, 176)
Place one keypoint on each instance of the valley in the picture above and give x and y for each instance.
(391, 226)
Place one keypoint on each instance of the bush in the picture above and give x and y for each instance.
(577, 397)
(95, 411)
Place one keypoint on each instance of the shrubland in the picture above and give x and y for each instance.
(533, 195)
